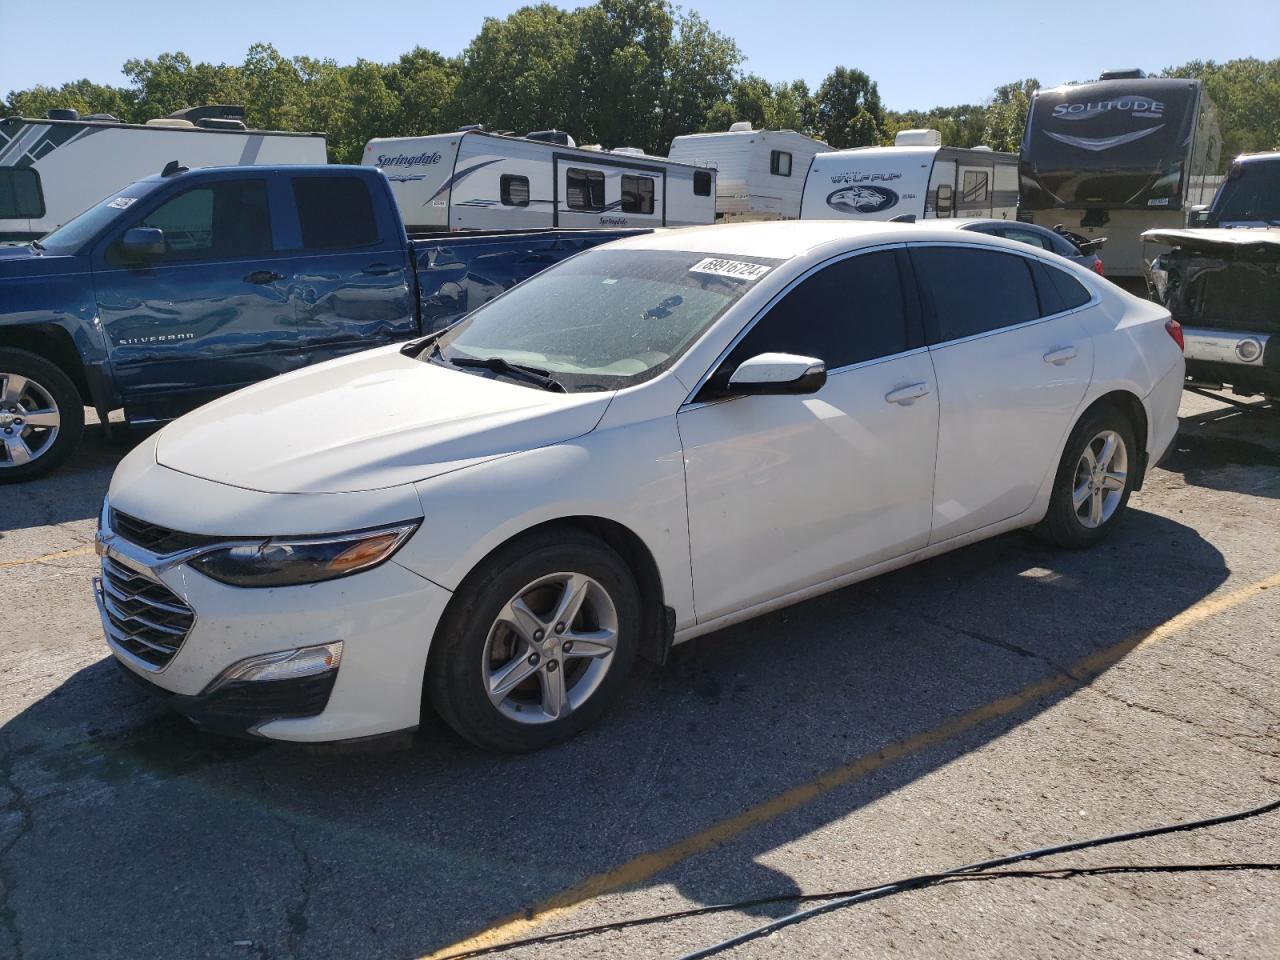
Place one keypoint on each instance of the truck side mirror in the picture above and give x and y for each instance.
(143, 243)
(1198, 216)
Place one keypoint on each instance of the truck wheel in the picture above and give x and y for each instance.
(41, 416)
(536, 644)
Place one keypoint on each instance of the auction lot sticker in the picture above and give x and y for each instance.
(737, 269)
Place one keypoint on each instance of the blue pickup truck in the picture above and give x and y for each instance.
(190, 284)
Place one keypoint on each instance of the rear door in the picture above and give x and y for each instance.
(785, 492)
(213, 313)
(1013, 364)
(353, 286)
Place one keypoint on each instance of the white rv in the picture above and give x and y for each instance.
(760, 173)
(53, 168)
(917, 177)
(475, 180)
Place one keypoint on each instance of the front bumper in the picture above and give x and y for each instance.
(385, 618)
(1248, 361)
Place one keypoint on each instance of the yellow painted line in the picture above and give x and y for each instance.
(648, 865)
(60, 555)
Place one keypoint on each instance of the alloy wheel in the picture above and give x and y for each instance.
(29, 420)
(550, 647)
(1100, 478)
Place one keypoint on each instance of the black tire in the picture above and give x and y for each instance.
(1063, 524)
(455, 683)
(45, 379)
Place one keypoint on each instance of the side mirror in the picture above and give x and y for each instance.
(1198, 216)
(778, 373)
(143, 243)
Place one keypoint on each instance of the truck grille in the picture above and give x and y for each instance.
(159, 540)
(144, 617)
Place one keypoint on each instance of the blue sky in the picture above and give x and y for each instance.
(920, 53)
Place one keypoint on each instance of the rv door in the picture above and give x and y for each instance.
(941, 200)
(973, 187)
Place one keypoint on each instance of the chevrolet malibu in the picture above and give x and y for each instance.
(655, 439)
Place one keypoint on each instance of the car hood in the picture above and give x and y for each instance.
(376, 419)
(1221, 241)
(25, 261)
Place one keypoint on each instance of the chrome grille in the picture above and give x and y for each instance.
(157, 539)
(145, 618)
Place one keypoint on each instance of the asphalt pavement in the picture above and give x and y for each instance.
(1003, 697)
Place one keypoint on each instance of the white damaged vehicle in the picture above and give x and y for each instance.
(653, 440)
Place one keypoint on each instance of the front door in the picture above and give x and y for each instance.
(212, 314)
(790, 491)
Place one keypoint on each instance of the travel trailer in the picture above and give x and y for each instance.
(53, 168)
(916, 178)
(1118, 156)
(475, 180)
(759, 173)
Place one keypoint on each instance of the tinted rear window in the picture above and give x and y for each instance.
(335, 212)
(1071, 291)
(974, 291)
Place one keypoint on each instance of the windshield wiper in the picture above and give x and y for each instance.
(517, 371)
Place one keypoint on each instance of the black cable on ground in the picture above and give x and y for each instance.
(841, 898)
(915, 883)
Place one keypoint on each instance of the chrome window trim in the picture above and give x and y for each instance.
(689, 402)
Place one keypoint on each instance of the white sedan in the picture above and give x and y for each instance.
(655, 439)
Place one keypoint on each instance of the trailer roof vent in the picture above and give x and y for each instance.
(468, 127)
(918, 138)
(220, 123)
(742, 126)
(59, 113)
(551, 136)
(1132, 73)
(217, 111)
(983, 146)
(103, 117)
(169, 122)
(628, 151)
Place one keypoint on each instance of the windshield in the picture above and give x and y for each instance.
(1251, 197)
(606, 319)
(77, 231)
(1115, 143)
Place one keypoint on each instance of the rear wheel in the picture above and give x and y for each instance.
(41, 416)
(1094, 480)
(536, 645)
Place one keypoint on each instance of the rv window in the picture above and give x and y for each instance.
(975, 187)
(584, 189)
(780, 163)
(942, 201)
(701, 183)
(973, 291)
(637, 194)
(846, 313)
(335, 213)
(228, 220)
(20, 195)
(514, 190)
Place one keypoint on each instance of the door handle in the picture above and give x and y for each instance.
(379, 269)
(1061, 355)
(263, 276)
(904, 395)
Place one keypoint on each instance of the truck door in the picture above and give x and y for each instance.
(608, 193)
(352, 282)
(212, 313)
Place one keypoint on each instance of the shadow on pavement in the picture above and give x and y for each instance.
(1232, 448)
(130, 834)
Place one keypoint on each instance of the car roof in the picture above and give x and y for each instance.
(780, 239)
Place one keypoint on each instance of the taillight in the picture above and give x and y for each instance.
(1097, 266)
(1175, 331)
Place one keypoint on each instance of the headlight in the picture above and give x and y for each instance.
(289, 562)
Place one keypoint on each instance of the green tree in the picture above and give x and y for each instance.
(1006, 115)
(848, 109)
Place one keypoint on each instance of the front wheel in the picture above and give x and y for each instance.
(535, 646)
(1094, 479)
(41, 416)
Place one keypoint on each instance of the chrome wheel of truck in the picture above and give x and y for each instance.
(41, 416)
